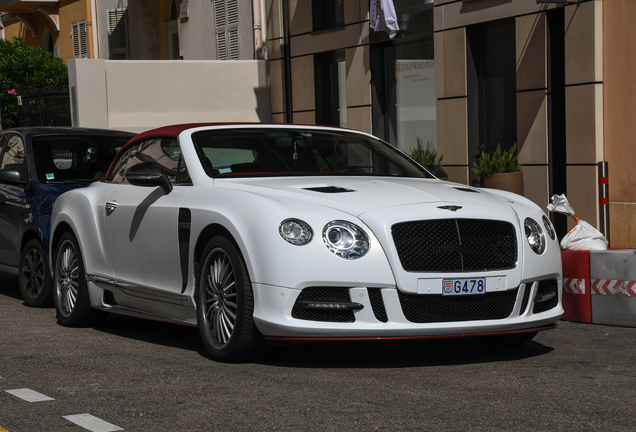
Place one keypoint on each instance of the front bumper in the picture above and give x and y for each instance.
(274, 305)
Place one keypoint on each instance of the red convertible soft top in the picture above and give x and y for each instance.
(165, 131)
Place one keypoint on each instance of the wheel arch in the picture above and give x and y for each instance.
(60, 229)
(27, 236)
(206, 235)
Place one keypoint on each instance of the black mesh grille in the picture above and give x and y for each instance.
(526, 298)
(455, 245)
(324, 294)
(431, 308)
(547, 286)
(377, 304)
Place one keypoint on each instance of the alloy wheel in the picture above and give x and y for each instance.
(33, 273)
(67, 278)
(220, 298)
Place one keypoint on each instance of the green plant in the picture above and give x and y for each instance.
(425, 157)
(501, 161)
(22, 65)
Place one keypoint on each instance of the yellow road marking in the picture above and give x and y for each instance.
(3, 429)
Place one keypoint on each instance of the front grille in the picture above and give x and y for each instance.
(455, 245)
(433, 308)
(547, 286)
(324, 294)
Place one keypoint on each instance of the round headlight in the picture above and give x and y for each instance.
(295, 231)
(345, 239)
(535, 236)
(548, 227)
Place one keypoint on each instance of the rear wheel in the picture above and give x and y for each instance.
(71, 299)
(225, 305)
(33, 275)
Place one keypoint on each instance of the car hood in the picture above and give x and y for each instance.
(357, 195)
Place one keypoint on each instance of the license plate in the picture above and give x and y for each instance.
(464, 286)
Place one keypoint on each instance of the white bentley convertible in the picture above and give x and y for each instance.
(259, 232)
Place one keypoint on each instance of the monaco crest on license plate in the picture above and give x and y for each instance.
(463, 286)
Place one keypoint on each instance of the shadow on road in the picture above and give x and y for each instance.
(9, 287)
(351, 354)
(398, 354)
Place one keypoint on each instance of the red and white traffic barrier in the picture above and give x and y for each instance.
(576, 286)
(613, 286)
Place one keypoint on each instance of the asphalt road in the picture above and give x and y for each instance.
(138, 375)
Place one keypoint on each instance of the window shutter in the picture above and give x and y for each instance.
(118, 33)
(226, 20)
(80, 48)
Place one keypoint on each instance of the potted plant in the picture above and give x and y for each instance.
(428, 159)
(500, 170)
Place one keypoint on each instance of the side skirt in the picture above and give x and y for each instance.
(138, 291)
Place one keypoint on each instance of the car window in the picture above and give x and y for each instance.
(223, 158)
(249, 152)
(74, 158)
(14, 156)
(164, 151)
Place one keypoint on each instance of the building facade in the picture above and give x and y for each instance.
(463, 76)
(552, 77)
(65, 27)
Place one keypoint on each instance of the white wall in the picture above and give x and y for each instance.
(140, 95)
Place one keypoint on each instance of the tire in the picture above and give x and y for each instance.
(505, 341)
(70, 293)
(34, 276)
(225, 305)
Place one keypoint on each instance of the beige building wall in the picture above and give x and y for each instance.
(599, 118)
(584, 92)
(353, 39)
(106, 97)
(584, 106)
(619, 96)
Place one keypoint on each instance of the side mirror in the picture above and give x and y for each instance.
(149, 174)
(11, 176)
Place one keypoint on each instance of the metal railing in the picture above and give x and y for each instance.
(45, 109)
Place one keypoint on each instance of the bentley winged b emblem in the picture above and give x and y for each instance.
(449, 207)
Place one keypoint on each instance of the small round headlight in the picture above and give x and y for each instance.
(295, 231)
(548, 227)
(345, 239)
(535, 236)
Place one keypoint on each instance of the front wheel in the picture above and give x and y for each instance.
(225, 304)
(70, 296)
(33, 275)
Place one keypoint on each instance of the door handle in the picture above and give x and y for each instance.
(110, 207)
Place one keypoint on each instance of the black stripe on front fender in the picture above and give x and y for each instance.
(185, 217)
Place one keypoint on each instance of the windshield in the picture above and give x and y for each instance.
(263, 152)
(74, 158)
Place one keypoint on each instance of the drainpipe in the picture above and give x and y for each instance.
(260, 32)
(289, 114)
(263, 8)
(93, 6)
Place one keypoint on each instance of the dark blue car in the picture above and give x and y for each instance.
(37, 165)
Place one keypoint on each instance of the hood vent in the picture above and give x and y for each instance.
(329, 189)
(465, 189)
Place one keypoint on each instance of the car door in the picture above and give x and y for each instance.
(14, 209)
(142, 223)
